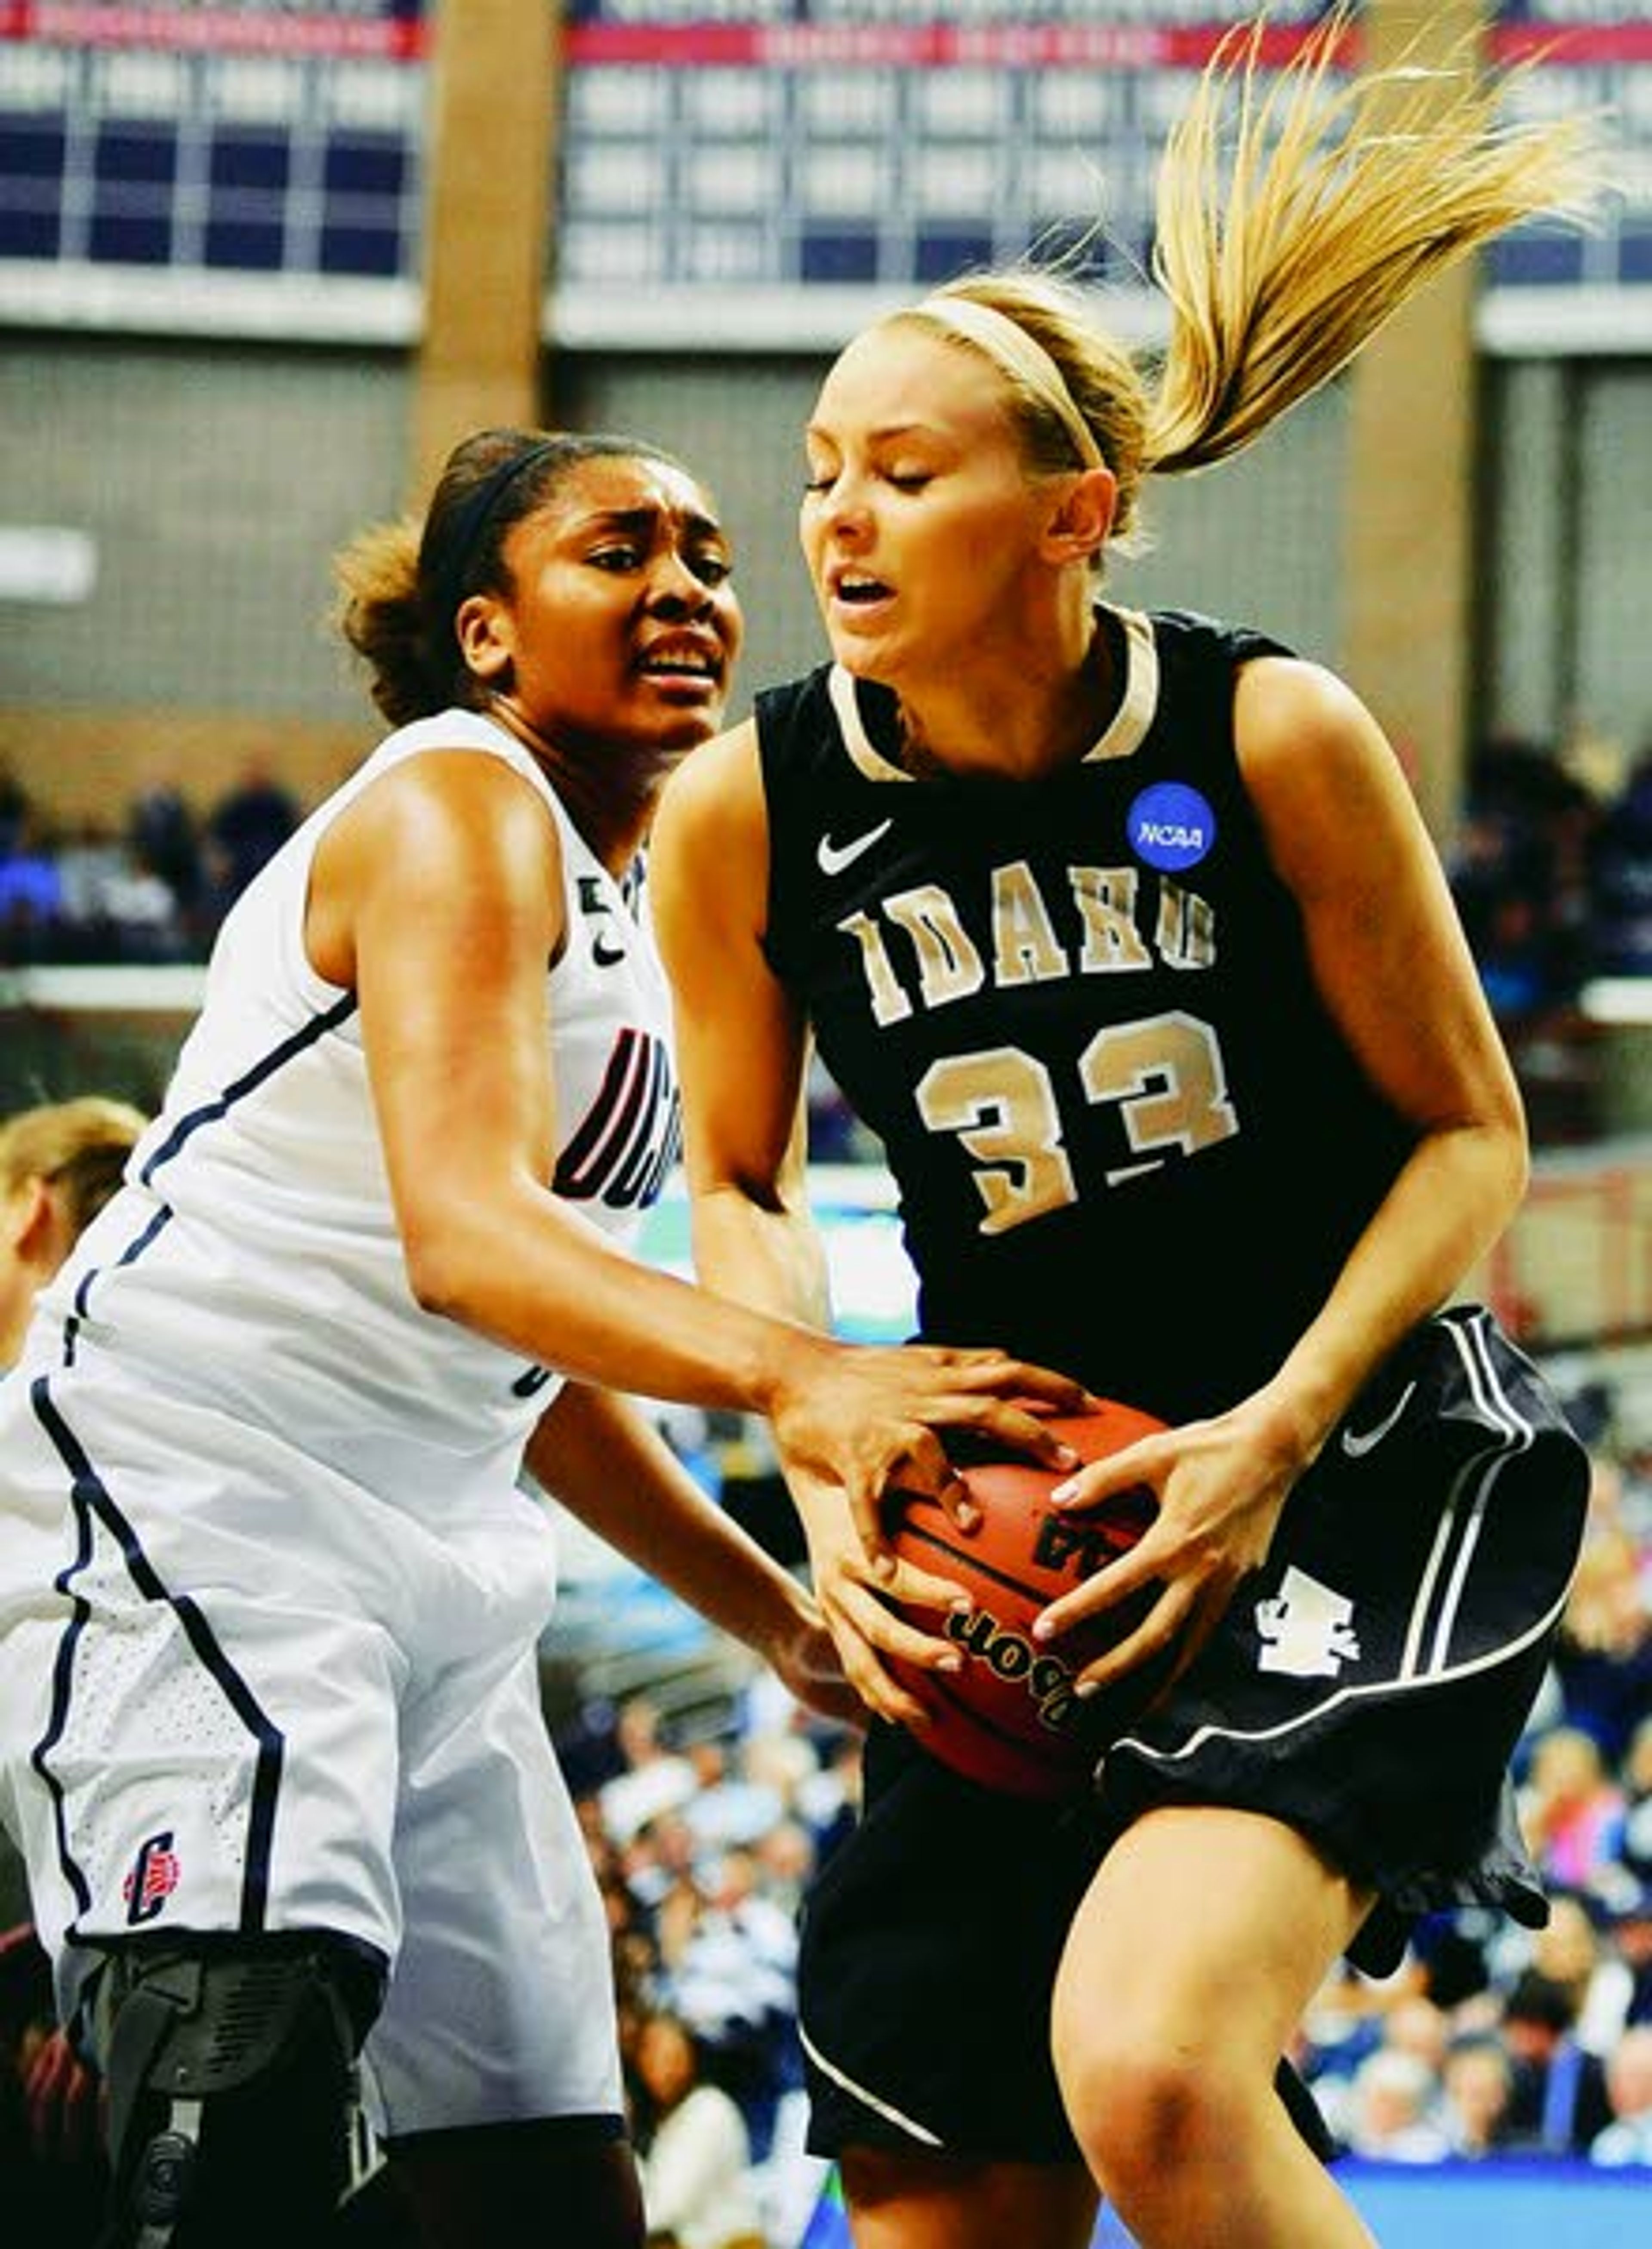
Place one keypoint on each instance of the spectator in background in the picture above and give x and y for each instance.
(1638, 1796)
(786, 1858)
(830, 1802)
(1351, 2020)
(1621, 877)
(15, 806)
(1629, 1917)
(1558, 2100)
(1520, 873)
(1628, 2139)
(658, 1855)
(1478, 2082)
(699, 2191)
(32, 902)
(1450, 1955)
(782, 1756)
(730, 1807)
(90, 860)
(1519, 868)
(115, 908)
(59, 1163)
(1414, 2024)
(165, 839)
(1602, 1661)
(732, 1975)
(1389, 2116)
(246, 828)
(653, 1776)
(1571, 1950)
(1572, 1808)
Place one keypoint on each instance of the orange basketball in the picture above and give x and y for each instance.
(1010, 1719)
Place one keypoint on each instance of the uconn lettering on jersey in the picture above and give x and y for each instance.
(1124, 923)
(629, 1137)
(626, 1142)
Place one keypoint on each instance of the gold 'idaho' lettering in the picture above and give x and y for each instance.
(1025, 948)
(1107, 899)
(1119, 929)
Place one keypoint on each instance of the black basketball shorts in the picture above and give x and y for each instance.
(1368, 1685)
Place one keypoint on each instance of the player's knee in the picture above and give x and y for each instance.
(1136, 2112)
(230, 2069)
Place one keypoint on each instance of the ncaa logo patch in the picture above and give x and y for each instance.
(1171, 826)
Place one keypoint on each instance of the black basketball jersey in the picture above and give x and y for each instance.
(1077, 1014)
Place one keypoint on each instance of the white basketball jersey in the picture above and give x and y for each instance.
(251, 1263)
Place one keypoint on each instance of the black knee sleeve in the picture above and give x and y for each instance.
(233, 2106)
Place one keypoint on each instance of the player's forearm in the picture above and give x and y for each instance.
(530, 1273)
(773, 1259)
(609, 1466)
(1449, 1203)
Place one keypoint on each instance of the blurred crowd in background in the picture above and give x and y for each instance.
(148, 886)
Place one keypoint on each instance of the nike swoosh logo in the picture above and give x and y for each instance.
(834, 857)
(1368, 1440)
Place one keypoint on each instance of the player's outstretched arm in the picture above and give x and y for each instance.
(598, 1455)
(742, 1057)
(439, 904)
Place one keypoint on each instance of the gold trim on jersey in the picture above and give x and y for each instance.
(1120, 737)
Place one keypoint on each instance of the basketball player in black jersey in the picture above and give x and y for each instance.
(1124, 933)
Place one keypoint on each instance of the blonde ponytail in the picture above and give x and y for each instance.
(1295, 216)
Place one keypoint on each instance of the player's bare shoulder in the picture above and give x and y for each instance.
(718, 784)
(1319, 769)
(708, 844)
(441, 836)
(1287, 707)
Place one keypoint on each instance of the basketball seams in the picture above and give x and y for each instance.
(917, 1535)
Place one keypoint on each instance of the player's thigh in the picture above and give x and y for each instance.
(917, 2198)
(245, 1787)
(471, 2189)
(200, 1720)
(1203, 1915)
(501, 2006)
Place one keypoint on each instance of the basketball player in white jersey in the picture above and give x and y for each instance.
(272, 1583)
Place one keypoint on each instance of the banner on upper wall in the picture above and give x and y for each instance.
(247, 168)
(733, 173)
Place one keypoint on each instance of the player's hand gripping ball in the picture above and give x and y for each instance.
(1010, 1719)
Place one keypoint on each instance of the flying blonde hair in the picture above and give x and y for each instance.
(1296, 212)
